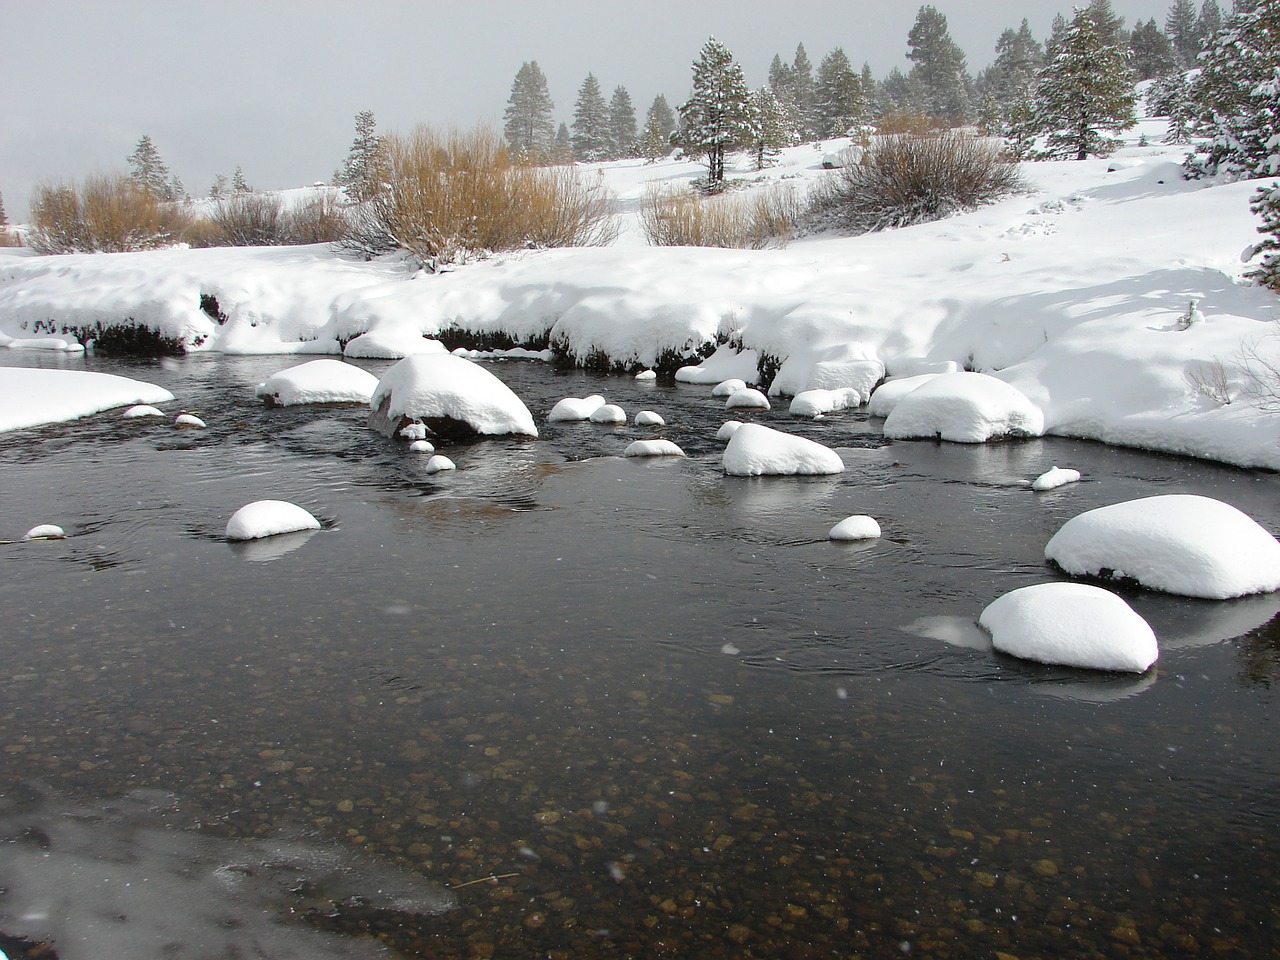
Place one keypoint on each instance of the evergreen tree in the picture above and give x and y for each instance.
(782, 84)
(149, 171)
(716, 120)
(869, 87)
(591, 142)
(839, 104)
(562, 151)
(940, 66)
(804, 92)
(4, 219)
(529, 128)
(1236, 94)
(1010, 80)
(1152, 55)
(1265, 203)
(622, 124)
(1057, 30)
(238, 183)
(220, 187)
(1208, 23)
(1170, 97)
(1110, 26)
(661, 118)
(364, 171)
(1180, 26)
(771, 130)
(1085, 92)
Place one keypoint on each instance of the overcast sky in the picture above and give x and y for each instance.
(274, 86)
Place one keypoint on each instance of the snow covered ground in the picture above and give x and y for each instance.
(1069, 292)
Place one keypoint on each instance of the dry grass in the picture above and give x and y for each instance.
(753, 220)
(9, 238)
(104, 214)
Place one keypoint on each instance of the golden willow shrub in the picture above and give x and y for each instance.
(754, 220)
(104, 214)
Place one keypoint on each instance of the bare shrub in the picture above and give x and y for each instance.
(250, 219)
(105, 214)
(1209, 378)
(912, 178)
(9, 238)
(754, 220)
(905, 121)
(454, 197)
(1259, 364)
(318, 219)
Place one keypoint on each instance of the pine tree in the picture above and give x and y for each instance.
(1208, 23)
(591, 123)
(770, 127)
(804, 93)
(1152, 55)
(1265, 203)
(782, 84)
(1180, 25)
(1109, 24)
(238, 183)
(1057, 30)
(1085, 92)
(622, 124)
(715, 120)
(529, 128)
(1011, 78)
(149, 171)
(940, 67)
(869, 88)
(1236, 94)
(364, 171)
(562, 151)
(839, 103)
(4, 218)
(662, 118)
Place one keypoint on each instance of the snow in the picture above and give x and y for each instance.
(886, 396)
(421, 446)
(653, 448)
(390, 345)
(1070, 624)
(440, 463)
(30, 397)
(189, 421)
(609, 413)
(858, 527)
(319, 381)
(1055, 477)
(438, 385)
(647, 418)
(965, 408)
(728, 429)
(266, 518)
(727, 388)
(755, 450)
(646, 375)
(1177, 543)
(143, 410)
(726, 363)
(747, 398)
(45, 531)
(817, 403)
(852, 365)
(576, 408)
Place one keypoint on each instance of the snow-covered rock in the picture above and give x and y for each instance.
(839, 366)
(817, 403)
(728, 429)
(422, 446)
(1055, 477)
(143, 410)
(413, 432)
(318, 381)
(725, 364)
(653, 448)
(452, 396)
(188, 421)
(391, 344)
(647, 375)
(727, 388)
(747, 398)
(45, 531)
(266, 518)
(609, 413)
(575, 408)
(755, 450)
(647, 418)
(1073, 625)
(887, 395)
(859, 527)
(29, 397)
(440, 463)
(1178, 543)
(965, 408)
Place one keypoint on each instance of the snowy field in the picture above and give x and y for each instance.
(1071, 292)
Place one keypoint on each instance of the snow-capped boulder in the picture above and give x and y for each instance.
(188, 421)
(647, 375)
(1177, 543)
(454, 398)
(1072, 625)
(391, 344)
(609, 413)
(439, 464)
(421, 446)
(859, 527)
(318, 381)
(755, 450)
(886, 396)
(142, 410)
(726, 363)
(747, 399)
(266, 518)
(840, 366)
(1055, 477)
(727, 388)
(413, 431)
(965, 408)
(647, 418)
(45, 531)
(653, 448)
(817, 403)
(575, 408)
(728, 429)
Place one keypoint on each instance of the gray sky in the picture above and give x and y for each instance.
(274, 86)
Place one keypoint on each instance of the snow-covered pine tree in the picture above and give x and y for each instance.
(1151, 53)
(1085, 93)
(1180, 26)
(839, 103)
(804, 92)
(1170, 97)
(1208, 23)
(716, 120)
(1265, 203)
(238, 183)
(529, 127)
(1110, 24)
(590, 128)
(1236, 95)
(562, 152)
(1011, 79)
(771, 129)
(149, 172)
(364, 171)
(940, 66)
(661, 117)
(220, 187)
(622, 124)
(869, 89)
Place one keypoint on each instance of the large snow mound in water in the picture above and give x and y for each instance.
(441, 386)
(887, 395)
(319, 381)
(755, 450)
(1071, 624)
(1179, 543)
(30, 397)
(266, 518)
(966, 408)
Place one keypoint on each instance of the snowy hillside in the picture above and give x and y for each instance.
(1071, 292)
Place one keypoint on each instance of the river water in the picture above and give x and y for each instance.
(632, 708)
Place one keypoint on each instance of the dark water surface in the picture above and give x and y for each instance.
(654, 701)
